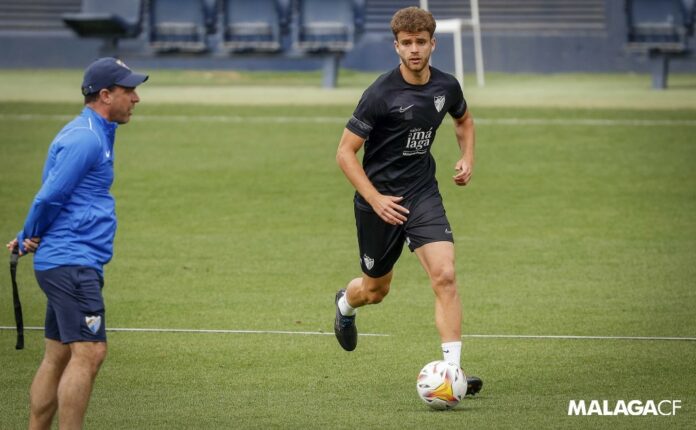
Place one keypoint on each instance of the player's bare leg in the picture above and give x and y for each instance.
(76, 384)
(437, 258)
(359, 292)
(44, 388)
(367, 290)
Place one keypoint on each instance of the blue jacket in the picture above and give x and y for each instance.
(73, 212)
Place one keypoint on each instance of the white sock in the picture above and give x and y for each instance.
(345, 309)
(452, 352)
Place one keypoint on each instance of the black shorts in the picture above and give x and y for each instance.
(380, 243)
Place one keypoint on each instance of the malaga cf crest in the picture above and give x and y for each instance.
(369, 262)
(122, 64)
(439, 102)
(93, 323)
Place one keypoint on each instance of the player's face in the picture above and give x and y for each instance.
(414, 49)
(122, 102)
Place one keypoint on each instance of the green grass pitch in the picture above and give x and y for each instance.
(233, 215)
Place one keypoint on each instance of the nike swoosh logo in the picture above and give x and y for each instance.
(404, 109)
(108, 154)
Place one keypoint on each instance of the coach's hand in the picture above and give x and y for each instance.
(389, 209)
(463, 175)
(30, 245)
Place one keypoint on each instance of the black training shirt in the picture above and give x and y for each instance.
(399, 121)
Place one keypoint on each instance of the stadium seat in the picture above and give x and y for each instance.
(109, 20)
(660, 29)
(254, 26)
(659, 24)
(181, 25)
(329, 25)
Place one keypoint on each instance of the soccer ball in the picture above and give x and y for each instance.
(441, 385)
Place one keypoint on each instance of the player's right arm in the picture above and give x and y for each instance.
(386, 207)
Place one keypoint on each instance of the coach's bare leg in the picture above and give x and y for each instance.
(367, 290)
(76, 384)
(44, 388)
(437, 259)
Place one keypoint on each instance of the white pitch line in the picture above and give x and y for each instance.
(318, 333)
(587, 121)
(191, 330)
(571, 337)
(342, 120)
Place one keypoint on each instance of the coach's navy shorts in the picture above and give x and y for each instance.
(380, 243)
(75, 308)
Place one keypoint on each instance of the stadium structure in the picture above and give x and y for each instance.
(535, 36)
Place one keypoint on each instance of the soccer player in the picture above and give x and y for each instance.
(70, 227)
(397, 199)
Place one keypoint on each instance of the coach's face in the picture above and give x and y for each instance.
(414, 49)
(121, 102)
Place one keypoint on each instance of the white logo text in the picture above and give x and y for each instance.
(622, 407)
(418, 141)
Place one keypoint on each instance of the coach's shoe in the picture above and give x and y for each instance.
(344, 327)
(473, 385)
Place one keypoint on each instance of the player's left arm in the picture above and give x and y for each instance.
(466, 139)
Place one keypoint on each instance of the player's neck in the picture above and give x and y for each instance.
(415, 78)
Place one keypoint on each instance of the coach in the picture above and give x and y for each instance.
(71, 226)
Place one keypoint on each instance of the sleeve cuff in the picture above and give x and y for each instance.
(20, 242)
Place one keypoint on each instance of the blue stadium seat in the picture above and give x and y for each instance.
(690, 8)
(659, 24)
(329, 25)
(181, 25)
(660, 29)
(254, 26)
(106, 19)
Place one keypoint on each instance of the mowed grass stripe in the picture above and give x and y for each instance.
(211, 331)
(320, 333)
(332, 120)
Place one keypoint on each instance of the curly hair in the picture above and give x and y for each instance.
(413, 20)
